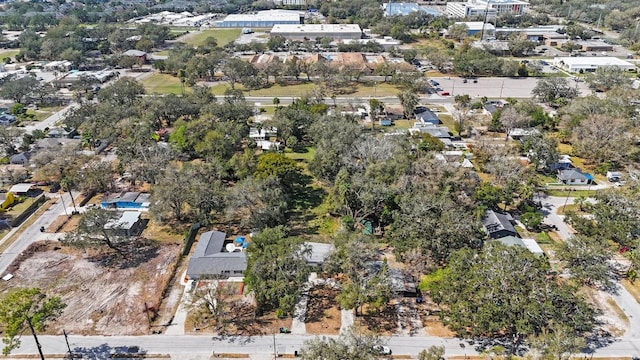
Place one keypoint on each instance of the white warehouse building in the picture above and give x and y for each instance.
(582, 64)
(493, 8)
(261, 19)
(313, 31)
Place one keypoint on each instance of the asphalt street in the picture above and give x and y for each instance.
(51, 120)
(622, 297)
(32, 233)
(190, 346)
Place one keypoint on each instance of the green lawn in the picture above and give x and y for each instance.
(447, 120)
(222, 36)
(303, 156)
(8, 53)
(379, 90)
(162, 84)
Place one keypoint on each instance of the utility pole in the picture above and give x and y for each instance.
(66, 339)
(275, 352)
(146, 311)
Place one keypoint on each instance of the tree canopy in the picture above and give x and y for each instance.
(502, 290)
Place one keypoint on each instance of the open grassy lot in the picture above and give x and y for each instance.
(222, 36)
(8, 53)
(162, 84)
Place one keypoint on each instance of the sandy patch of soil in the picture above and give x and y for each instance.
(323, 314)
(101, 299)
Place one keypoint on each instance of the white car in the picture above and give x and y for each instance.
(382, 349)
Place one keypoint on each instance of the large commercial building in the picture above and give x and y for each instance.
(313, 31)
(582, 64)
(261, 19)
(492, 8)
(404, 9)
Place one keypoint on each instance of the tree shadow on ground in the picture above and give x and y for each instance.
(320, 299)
(133, 254)
(105, 351)
(382, 321)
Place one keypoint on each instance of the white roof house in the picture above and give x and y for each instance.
(580, 64)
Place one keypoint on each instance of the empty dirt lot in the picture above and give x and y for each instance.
(101, 299)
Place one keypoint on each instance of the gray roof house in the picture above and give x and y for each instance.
(213, 260)
(498, 225)
(427, 116)
(20, 158)
(573, 177)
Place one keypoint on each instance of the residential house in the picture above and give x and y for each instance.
(393, 113)
(61, 133)
(55, 143)
(529, 244)
(141, 56)
(351, 61)
(426, 116)
(127, 200)
(20, 158)
(490, 109)
(216, 258)
(318, 253)
(263, 134)
(564, 162)
(315, 58)
(6, 199)
(521, 133)
(129, 224)
(574, 176)
(498, 225)
(262, 61)
(438, 131)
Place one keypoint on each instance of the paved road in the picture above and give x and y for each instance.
(622, 297)
(190, 346)
(51, 120)
(32, 233)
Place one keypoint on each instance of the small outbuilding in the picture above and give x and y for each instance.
(129, 224)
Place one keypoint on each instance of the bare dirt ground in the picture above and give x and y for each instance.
(383, 322)
(431, 321)
(104, 295)
(240, 317)
(323, 314)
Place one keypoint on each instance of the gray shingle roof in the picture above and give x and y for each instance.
(494, 222)
(569, 174)
(210, 258)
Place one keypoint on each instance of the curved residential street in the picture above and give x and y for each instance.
(625, 301)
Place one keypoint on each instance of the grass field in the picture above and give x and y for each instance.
(8, 53)
(162, 84)
(222, 36)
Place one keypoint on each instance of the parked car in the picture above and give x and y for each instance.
(445, 93)
(382, 349)
(433, 82)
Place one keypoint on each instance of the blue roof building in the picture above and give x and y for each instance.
(404, 9)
